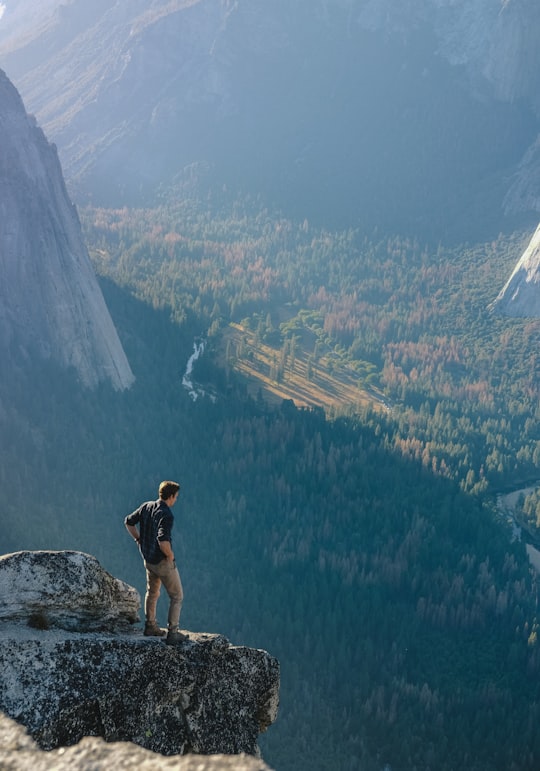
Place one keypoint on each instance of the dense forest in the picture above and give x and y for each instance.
(414, 320)
(359, 546)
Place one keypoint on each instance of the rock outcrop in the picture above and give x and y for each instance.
(64, 590)
(50, 301)
(521, 294)
(18, 752)
(203, 696)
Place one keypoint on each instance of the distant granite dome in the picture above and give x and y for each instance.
(50, 301)
(520, 296)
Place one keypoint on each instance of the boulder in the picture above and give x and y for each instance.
(65, 589)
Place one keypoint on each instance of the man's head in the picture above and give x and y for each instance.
(168, 490)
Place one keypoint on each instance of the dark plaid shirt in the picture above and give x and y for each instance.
(155, 520)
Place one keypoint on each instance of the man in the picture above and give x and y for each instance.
(155, 520)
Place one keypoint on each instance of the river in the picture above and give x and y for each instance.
(198, 350)
(193, 389)
(506, 503)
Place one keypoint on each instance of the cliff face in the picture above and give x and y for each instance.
(50, 302)
(495, 44)
(493, 40)
(203, 696)
(520, 296)
(126, 88)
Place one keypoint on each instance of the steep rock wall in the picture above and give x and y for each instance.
(50, 302)
(493, 40)
(495, 43)
(520, 296)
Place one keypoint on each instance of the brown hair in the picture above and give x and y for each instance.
(167, 489)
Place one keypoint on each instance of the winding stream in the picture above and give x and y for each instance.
(194, 390)
(198, 350)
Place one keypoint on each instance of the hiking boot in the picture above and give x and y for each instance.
(175, 636)
(151, 629)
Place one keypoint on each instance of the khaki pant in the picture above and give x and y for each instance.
(166, 573)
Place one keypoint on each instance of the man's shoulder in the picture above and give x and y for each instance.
(163, 509)
(156, 509)
(148, 507)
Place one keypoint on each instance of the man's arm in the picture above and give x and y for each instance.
(132, 530)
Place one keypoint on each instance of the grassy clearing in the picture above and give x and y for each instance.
(293, 376)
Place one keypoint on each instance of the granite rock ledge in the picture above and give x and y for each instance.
(64, 682)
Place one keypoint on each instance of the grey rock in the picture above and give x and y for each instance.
(64, 589)
(202, 696)
(50, 301)
(520, 296)
(18, 752)
(524, 191)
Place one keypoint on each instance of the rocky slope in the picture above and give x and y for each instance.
(494, 42)
(50, 302)
(63, 682)
(314, 102)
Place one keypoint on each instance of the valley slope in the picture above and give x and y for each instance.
(406, 115)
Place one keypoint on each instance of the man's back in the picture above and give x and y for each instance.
(155, 522)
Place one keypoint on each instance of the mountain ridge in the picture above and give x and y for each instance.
(320, 111)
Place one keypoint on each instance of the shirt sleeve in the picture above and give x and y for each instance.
(133, 518)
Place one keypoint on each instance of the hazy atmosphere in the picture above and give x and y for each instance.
(287, 254)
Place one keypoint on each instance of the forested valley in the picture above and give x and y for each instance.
(360, 546)
(411, 320)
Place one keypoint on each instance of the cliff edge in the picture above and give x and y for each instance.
(68, 675)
